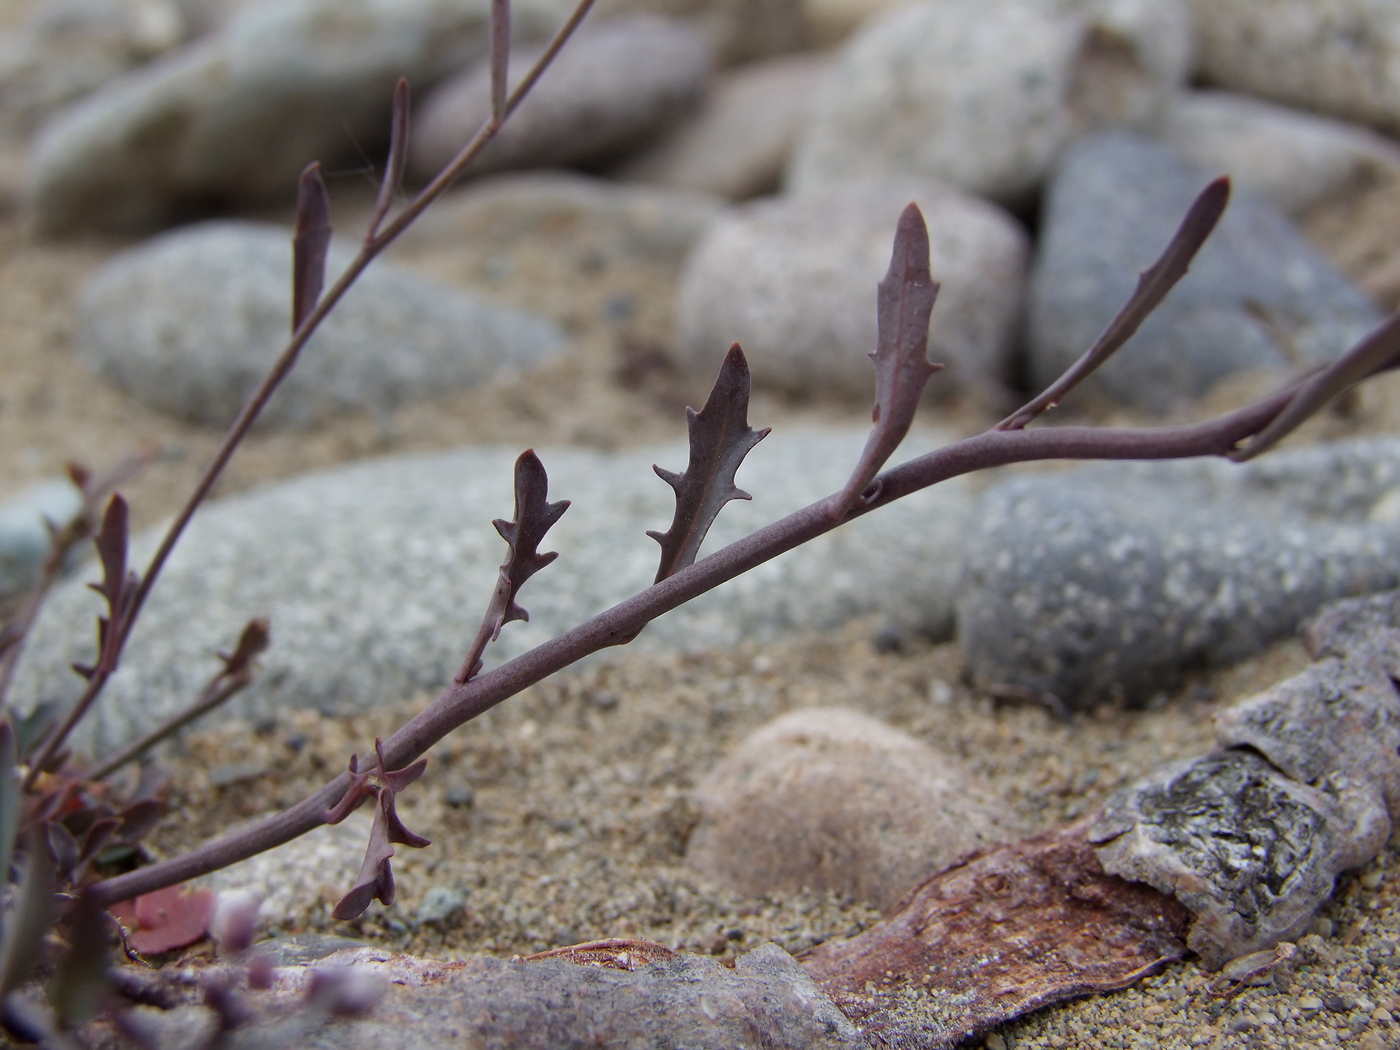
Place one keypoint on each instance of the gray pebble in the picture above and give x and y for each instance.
(25, 541)
(189, 323)
(1105, 583)
(375, 575)
(1258, 295)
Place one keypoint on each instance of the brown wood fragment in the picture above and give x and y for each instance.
(1006, 931)
(615, 953)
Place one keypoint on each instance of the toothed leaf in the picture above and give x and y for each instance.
(534, 516)
(720, 438)
(904, 303)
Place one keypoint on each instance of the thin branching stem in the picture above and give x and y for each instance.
(461, 703)
(286, 361)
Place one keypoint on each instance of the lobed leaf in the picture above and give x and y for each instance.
(720, 438)
(376, 878)
(252, 643)
(904, 304)
(534, 516)
(310, 243)
(1153, 285)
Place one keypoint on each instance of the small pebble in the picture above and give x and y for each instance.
(1309, 1003)
(1373, 878)
(460, 795)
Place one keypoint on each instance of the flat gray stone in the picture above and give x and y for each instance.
(189, 323)
(738, 141)
(793, 280)
(1106, 583)
(1258, 295)
(688, 1002)
(1290, 158)
(235, 116)
(832, 800)
(1251, 852)
(1340, 58)
(376, 575)
(615, 85)
(986, 95)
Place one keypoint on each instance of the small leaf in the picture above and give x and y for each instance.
(1377, 352)
(720, 438)
(252, 643)
(904, 305)
(172, 918)
(1153, 285)
(534, 516)
(376, 878)
(82, 975)
(398, 158)
(500, 57)
(32, 915)
(111, 541)
(310, 243)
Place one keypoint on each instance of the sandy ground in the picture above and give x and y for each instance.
(579, 806)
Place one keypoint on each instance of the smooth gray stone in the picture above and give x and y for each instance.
(613, 87)
(189, 323)
(690, 1002)
(1290, 158)
(985, 94)
(376, 575)
(25, 540)
(1340, 57)
(235, 116)
(793, 280)
(1250, 852)
(1258, 295)
(1106, 583)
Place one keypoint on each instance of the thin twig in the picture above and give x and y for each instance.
(283, 366)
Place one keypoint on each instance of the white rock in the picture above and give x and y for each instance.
(1290, 158)
(237, 115)
(24, 535)
(986, 94)
(793, 280)
(738, 30)
(1340, 57)
(738, 143)
(832, 800)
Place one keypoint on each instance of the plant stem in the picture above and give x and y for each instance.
(459, 704)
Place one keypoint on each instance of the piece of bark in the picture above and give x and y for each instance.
(1006, 931)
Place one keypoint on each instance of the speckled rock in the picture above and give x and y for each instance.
(25, 540)
(189, 322)
(737, 143)
(986, 95)
(1258, 295)
(1334, 56)
(1251, 852)
(766, 1002)
(1104, 584)
(1290, 158)
(615, 85)
(375, 575)
(236, 116)
(67, 48)
(793, 280)
(833, 800)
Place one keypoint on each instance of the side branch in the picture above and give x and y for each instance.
(461, 703)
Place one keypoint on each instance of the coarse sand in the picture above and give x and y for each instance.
(562, 815)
